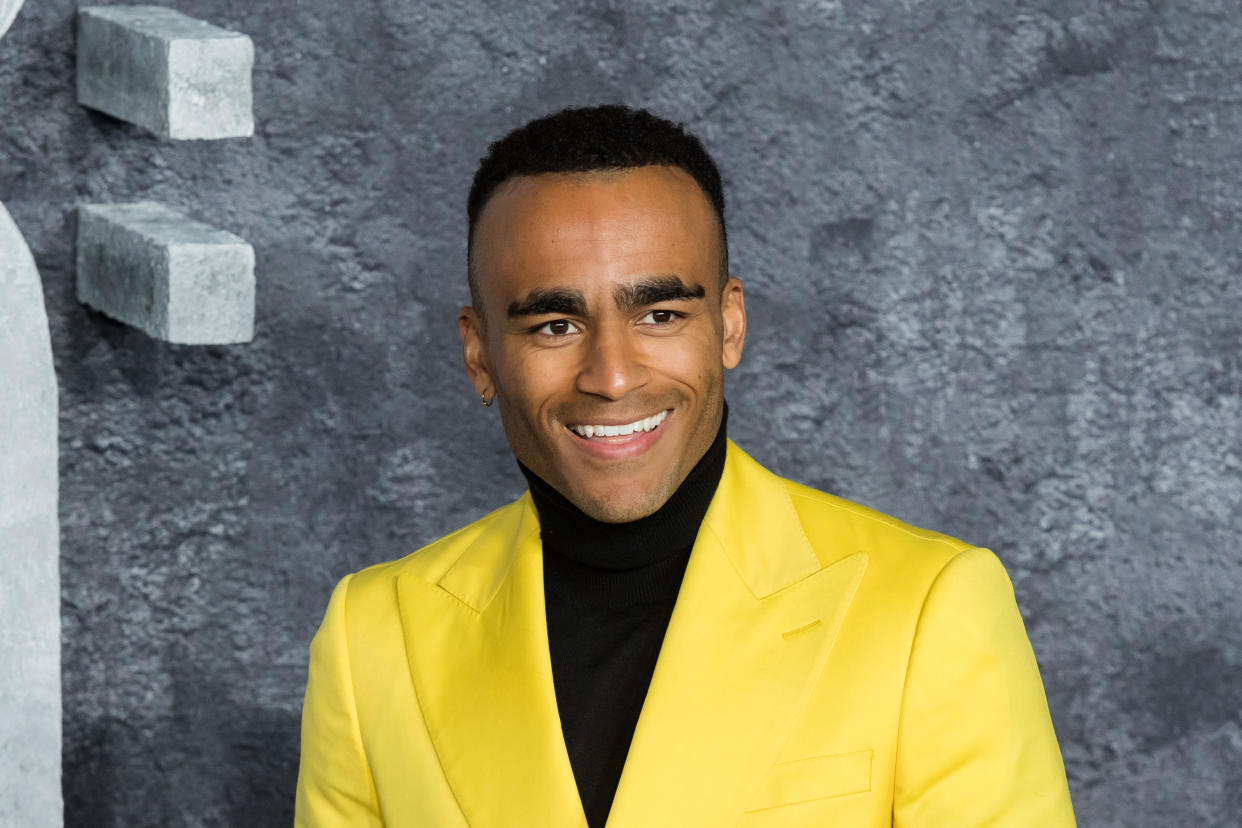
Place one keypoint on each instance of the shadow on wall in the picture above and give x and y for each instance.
(231, 765)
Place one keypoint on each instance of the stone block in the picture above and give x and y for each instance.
(175, 278)
(174, 75)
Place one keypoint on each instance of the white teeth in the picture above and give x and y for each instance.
(647, 424)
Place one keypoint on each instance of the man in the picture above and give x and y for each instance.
(661, 632)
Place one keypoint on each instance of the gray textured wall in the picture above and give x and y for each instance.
(992, 264)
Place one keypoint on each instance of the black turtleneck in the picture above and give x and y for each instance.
(609, 591)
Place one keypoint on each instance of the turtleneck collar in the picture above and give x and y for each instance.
(570, 533)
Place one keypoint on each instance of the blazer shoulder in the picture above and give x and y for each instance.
(833, 521)
(430, 562)
(906, 564)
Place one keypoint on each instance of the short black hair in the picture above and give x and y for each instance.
(593, 139)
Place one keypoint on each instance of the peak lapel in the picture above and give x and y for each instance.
(754, 622)
(477, 644)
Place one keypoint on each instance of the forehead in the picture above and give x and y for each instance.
(594, 230)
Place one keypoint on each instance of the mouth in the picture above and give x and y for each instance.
(589, 431)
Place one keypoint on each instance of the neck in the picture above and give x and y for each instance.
(569, 532)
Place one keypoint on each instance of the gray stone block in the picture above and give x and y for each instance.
(175, 278)
(30, 711)
(174, 75)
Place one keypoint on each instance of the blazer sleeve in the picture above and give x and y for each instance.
(976, 745)
(335, 787)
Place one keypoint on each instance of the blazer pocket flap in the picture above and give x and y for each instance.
(820, 777)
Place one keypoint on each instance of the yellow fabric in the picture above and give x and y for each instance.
(824, 665)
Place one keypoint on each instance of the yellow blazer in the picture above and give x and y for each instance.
(824, 665)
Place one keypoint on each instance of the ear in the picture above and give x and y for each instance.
(473, 352)
(733, 312)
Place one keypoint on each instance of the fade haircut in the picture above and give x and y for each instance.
(592, 139)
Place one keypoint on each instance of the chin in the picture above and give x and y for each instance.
(620, 508)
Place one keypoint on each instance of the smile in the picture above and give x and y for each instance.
(641, 426)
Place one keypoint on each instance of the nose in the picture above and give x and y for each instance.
(612, 366)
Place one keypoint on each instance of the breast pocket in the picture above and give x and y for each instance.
(809, 780)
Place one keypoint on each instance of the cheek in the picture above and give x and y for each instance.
(695, 363)
(535, 380)
(549, 373)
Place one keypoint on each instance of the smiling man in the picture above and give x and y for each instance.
(603, 321)
(661, 632)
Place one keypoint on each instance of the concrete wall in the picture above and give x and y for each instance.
(991, 258)
(30, 731)
(8, 11)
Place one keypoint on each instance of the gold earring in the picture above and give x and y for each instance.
(486, 402)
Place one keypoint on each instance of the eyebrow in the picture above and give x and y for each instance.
(655, 290)
(549, 300)
(571, 302)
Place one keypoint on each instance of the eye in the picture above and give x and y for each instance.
(660, 318)
(557, 327)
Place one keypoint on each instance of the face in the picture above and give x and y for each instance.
(607, 332)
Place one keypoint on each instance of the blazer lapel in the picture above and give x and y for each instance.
(751, 631)
(476, 638)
